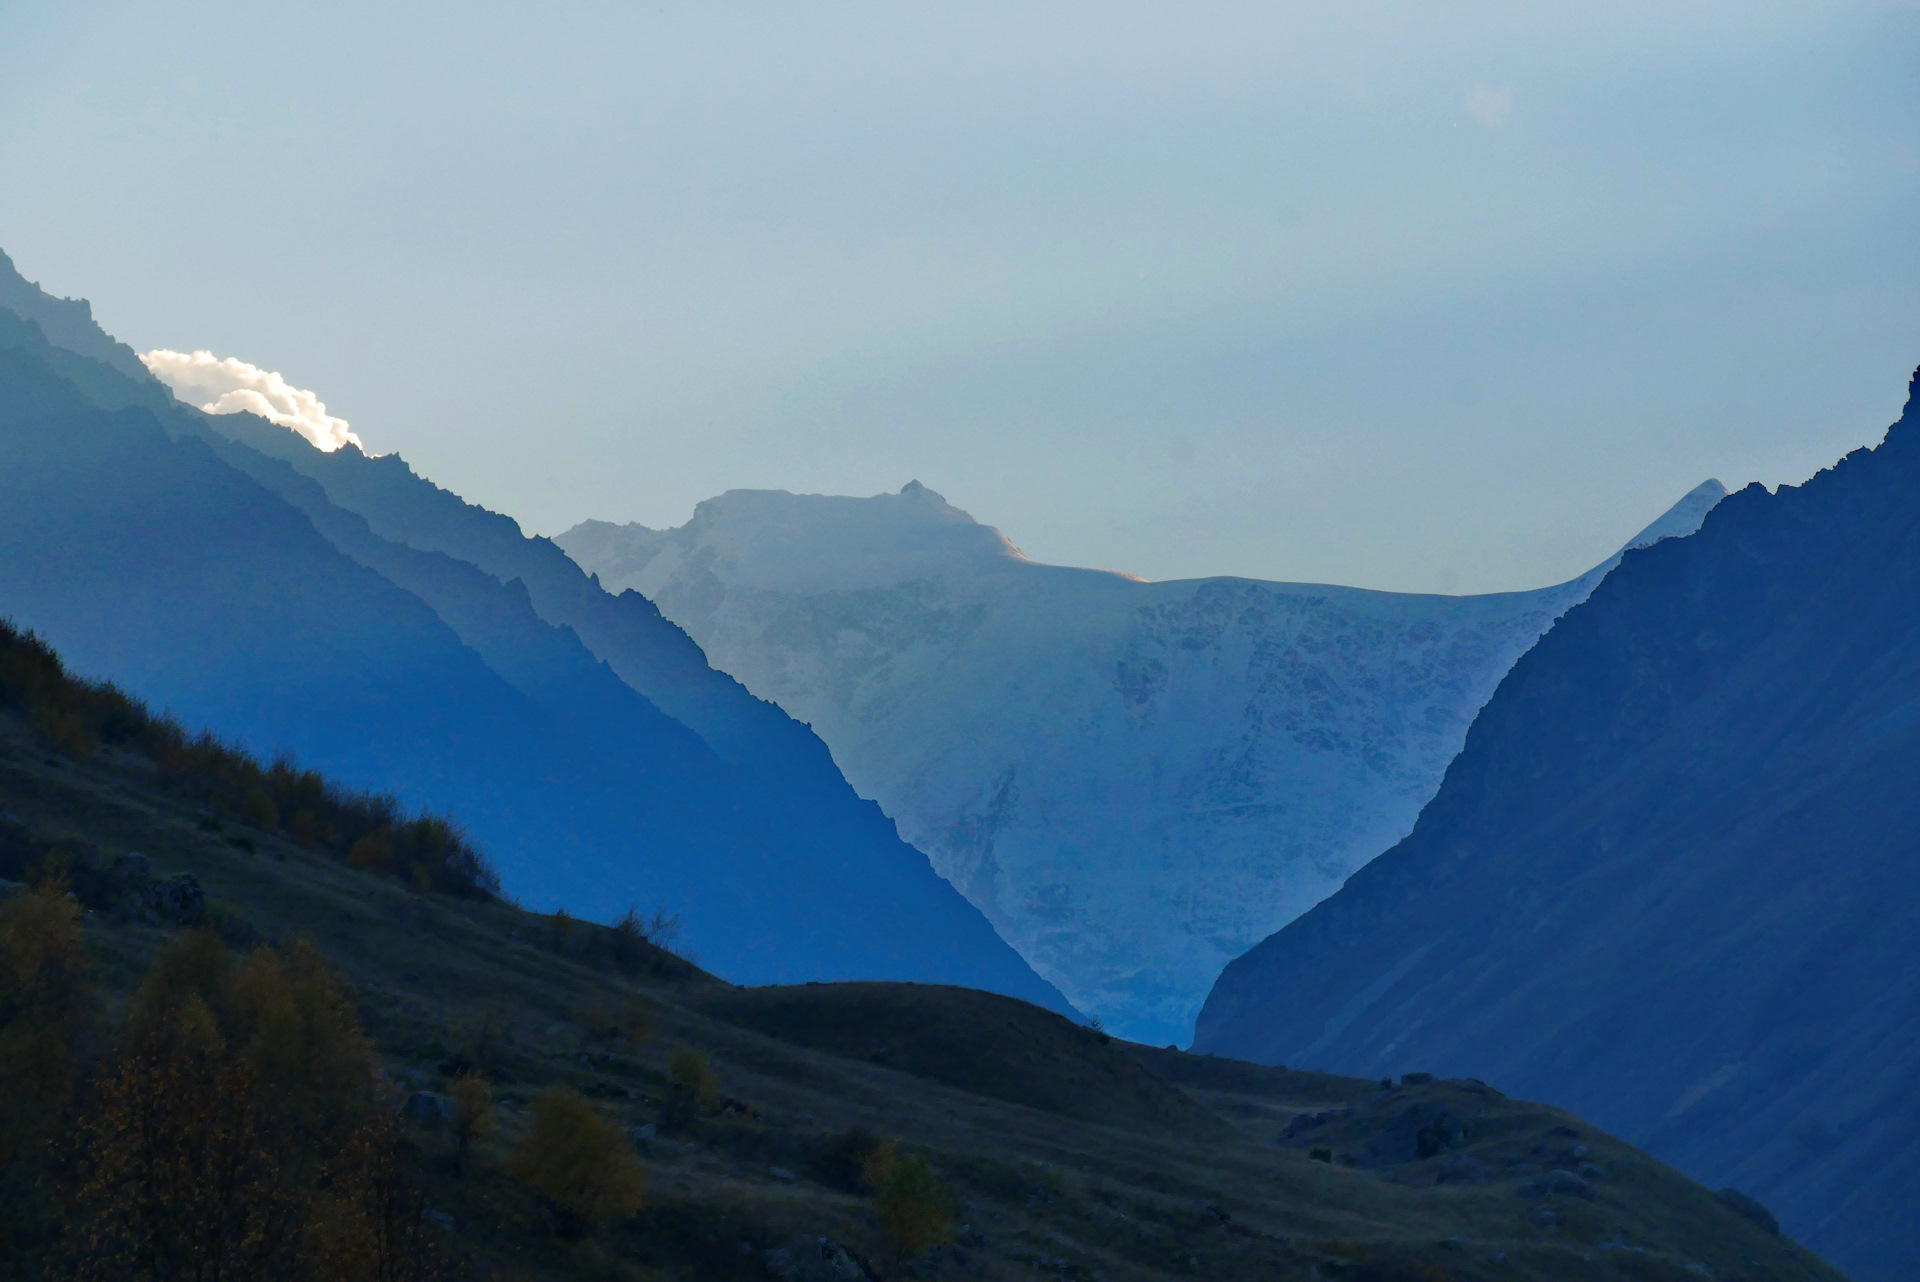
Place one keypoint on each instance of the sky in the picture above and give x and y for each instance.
(1424, 297)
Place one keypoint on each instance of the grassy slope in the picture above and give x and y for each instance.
(1113, 1175)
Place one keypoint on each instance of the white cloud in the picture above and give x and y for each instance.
(1489, 105)
(230, 386)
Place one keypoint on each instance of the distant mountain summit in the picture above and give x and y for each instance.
(1134, 781)
(1671, 881)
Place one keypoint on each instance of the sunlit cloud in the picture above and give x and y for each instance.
(232, 386)
(1489, 104)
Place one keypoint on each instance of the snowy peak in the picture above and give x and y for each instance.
(771, 539)
(1134, 781)
(1683, 518)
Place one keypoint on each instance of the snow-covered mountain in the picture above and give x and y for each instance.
(1135, 781)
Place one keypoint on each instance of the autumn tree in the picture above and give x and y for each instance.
(43, 1016)
(582, 1164)
(178, 1174)
(370, 1224)
(299, 1036)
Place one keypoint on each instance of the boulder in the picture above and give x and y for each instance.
(1418, 1131)
(177, 899)
(428, 1109)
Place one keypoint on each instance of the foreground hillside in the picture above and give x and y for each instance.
(1671, 879)
(1060, 1152)
(1135, 781)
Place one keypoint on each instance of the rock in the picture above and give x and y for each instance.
(1304, 1122)
(1738, 1201)
(814, 1259)
(428, 1109)
(133, 866)
(1418, 1131)
(177, 899)
(1564, 1183)
(1543, 1218)
(1578, 1151)
(1415, 1079)
(647, 1132)
(782, 1173)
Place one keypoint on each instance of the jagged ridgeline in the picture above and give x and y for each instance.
(403, 642)
(369, 831)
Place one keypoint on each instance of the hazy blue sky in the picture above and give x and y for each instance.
(1445, 297)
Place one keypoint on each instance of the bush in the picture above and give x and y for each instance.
(913, 1207)
(582, 1164)
(853, 1160)
(692, 1087)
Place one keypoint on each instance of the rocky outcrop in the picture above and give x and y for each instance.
(1669, 882)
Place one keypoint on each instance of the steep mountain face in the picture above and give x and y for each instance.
(1671, 880)
(217, 581)
(1135, 781)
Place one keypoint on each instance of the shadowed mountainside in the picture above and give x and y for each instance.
(1671, 879)
(219, 583)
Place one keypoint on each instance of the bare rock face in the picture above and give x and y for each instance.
(1134, 781)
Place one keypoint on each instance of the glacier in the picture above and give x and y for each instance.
(1135, 781)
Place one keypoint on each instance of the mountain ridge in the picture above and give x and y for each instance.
(583, 788)
(1669, 879)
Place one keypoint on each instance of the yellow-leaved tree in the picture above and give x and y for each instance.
(582, 1164)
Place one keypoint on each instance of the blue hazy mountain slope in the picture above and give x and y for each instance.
(652, 655)
(68, 324)
(149, 558)
(1670, 881)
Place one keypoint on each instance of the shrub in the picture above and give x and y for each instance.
(844, 1163)
(582, 1164)
(913, 1208)
(692, 1087)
